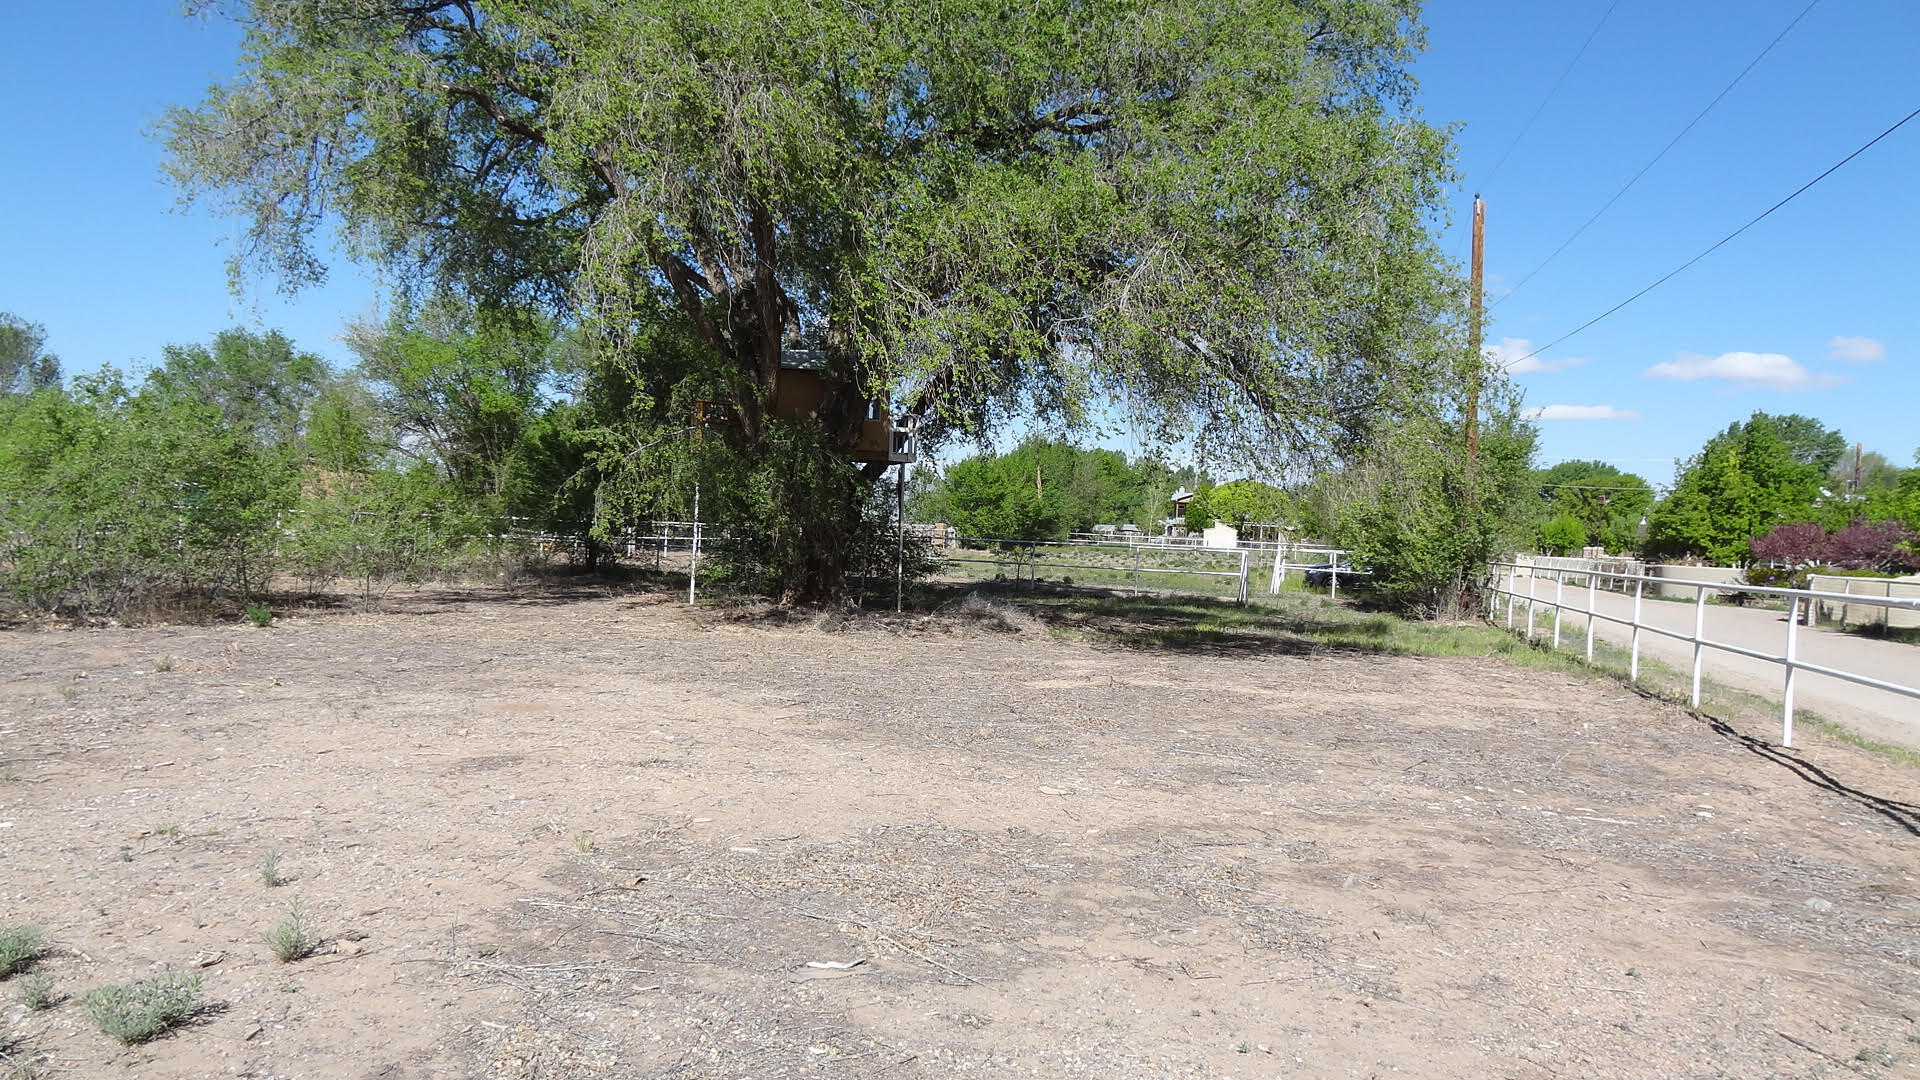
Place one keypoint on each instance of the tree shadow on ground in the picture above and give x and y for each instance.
(1904, 815)
(1204, 626)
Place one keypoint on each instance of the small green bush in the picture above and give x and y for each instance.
(291, 938)
(1774, 577)
(35, 991)
(20, 946)
(261, 614)
(140, 1010)
(270, 875)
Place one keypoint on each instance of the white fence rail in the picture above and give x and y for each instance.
(1504, 585)
(1031, 557)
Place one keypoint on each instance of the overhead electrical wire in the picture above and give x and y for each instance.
(1718, 244)
(1671, 143)
(1552, 90)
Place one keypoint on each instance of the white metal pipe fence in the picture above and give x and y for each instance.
(1025, 555)
(1029, 558)
(1504, 587)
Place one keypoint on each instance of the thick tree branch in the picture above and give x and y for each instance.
(506, 120)
(766, 288)
(686, 284)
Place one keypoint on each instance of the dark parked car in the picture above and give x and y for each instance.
(1322, 575)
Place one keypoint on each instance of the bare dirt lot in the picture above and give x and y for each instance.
(595, 833)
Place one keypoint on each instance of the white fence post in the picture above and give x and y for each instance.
(1533, 578)
(1699, 635)
(1793, 641)
(1513, 582)
(1633, 660)
(1559, 594)
(1244, 599)
(1591, 578)
(693, 566)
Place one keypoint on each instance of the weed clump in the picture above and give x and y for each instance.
(20, 946)
(260, 614)
(291, 938)
(270, 875)
(145, 1008)
(35, 991)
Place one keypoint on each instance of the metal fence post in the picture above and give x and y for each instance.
(1633, 660)
(1513, 579)
(1333, 578)
(693, 564)
(1244, 600)
(1559, 594)
(1591, 603)
(1532, 580)
(1699, 635)
(1793, 641)
(1136, 568)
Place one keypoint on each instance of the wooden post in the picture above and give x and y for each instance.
(1476, 317)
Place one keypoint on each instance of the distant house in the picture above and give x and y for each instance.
(1180, 500)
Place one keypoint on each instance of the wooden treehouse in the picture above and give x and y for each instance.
(799, 391)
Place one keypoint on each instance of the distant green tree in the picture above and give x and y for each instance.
(342, 430)
(1607, 502)
(1872, 472)
(462, 384)
(1420, 517)
(1243, 501)
(261, 385)
(25, 365)
(1746, 481)
(1200, 516)
(1007, 497)
(1809, 442)
(1562, 534)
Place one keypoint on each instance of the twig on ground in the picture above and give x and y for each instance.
(895, 942)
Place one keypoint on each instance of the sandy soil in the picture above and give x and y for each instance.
(592, 833)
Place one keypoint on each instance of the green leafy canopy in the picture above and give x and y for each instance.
(977, 208)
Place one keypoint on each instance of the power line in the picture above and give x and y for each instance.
(1763, 215)
(1552, 90)
(1644, 169)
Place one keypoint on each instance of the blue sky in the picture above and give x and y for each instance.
(1812, 311)
(92, 248)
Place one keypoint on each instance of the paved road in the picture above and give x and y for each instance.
(1879, 714)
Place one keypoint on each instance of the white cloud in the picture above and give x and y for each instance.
(1776, 370)
(1856, 350)
(1580, 412)
(1511, 355)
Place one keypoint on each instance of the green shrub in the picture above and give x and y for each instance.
(137, 1011)
(1773, 577)
(291, 939)
(20, 946)
(260, 614)
(35, 991)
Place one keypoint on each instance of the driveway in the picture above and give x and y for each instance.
(1878, 714)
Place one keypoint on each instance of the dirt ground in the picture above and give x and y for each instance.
(595, 833)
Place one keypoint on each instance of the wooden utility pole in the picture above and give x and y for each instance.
(1476, 313)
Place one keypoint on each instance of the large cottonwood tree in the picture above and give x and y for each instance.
(1217, 210)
